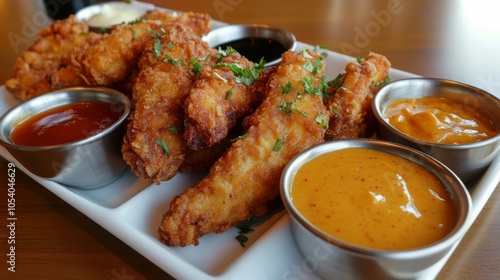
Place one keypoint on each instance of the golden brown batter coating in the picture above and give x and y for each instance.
(154, 146)
(51, 50)
(245, 181)
(350, 105)
(113, 58)
(220, 97)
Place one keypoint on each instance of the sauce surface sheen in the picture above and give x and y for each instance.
(255, 48)
(439, 120)
(65, 124)
(373, 199)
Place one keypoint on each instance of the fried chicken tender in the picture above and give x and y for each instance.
(113, 58)
(350, 105)
(50, 51)
(221, 95)
(244, 182)
(71, 75)
(153, 145)
(200, 23)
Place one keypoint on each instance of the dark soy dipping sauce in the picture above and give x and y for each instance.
(254, 48)
(64, 124)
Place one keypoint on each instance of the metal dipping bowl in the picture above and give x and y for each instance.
(229, 33)
(333, 258)
(89, 163)
(467, 160)
(87, 13)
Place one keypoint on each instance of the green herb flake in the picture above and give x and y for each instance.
(135, 21)
(337, 82)
(241, 74)
(229, 93)
(223, 53)
(244, 228)
(386, 80)
(163, 145)
(157, 48)
(174, 129)
(134, 33)
(308, 66)
(305, 53)
(287, 107)
(278, 145)
(359, 60)
(286, 88)
(322, 121)
(323, 50)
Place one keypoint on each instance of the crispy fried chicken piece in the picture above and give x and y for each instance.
(350, 105)
(221, 95)
(244, 181)
(200, 23)
(50, 51)
(113, 58)
(154, 146)
(71, 75)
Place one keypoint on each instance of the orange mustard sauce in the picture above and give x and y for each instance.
(439, 120)
(65, 124)
(373, 199)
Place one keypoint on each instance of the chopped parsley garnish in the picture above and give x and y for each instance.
(222, 53)
(289, 107)
(278, 145)
(163, 145)
(244, 228)
(241, 74)
(322, 121)
(305, 53)
(175, 62)
(381, 83)
(157, 35)
(197, 65)
(307, 82)
(323, 50)
(229, 93)
(174, 129)
(337, 82)
(359, 60)
(134, 33)
(313, 67)
(135, 21)
(157, 48)
(286, 88)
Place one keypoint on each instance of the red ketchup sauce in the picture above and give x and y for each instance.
(65, 124)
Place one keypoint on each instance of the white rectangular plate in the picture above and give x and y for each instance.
(131, 209)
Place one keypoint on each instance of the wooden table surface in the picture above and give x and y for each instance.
(458, 40)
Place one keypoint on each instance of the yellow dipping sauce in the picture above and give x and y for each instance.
(373, 199)
(439, 120)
